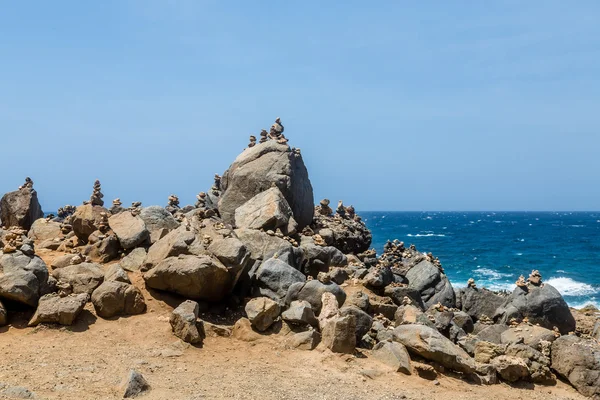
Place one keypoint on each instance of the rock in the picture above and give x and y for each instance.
(348, 234)
(214, 330)
(23, 278)
(104, 250)
(398, 293)
(274, 277)
(312, 291)
(358, 299)
(87, 219)
(256, 170)
(511, 369)
(21, 208)
(538, 364)
(578, 361)
(233, 254)
(542, 305)
(485, 352)
(300, 313)
(43, 229)
(433, 284)
(493, 333)
(321, 258)
(114, 298)
(406, 315)
(134, 385)
(62, 261)
(197, 278)
(463, 321)
(130, 230)
(263, 246)
(425, 371)
(478, 302)
(363, 320)
(83, 278)
(16, 392)
(530, 335)
(393, 354)
(184, 322)
(596, 331)
(307, 340)
(116, 273)
(379, 277)
(156, 218)
(267, 210)
(135, 260)
(431, 345)
(176, 243)
(262, 312)
(338, 334)
(3, 319)
(53, 309)
(242, 330)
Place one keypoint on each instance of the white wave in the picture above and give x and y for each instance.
(580, 305)
(499, 286)
(425, 235)
(570, 287)
(577, 226)
(519, 254)
(561, 271)
(490, 274)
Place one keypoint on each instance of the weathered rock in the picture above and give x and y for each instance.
(348, 234)
(3, 319)
(358, 299)
(511, 369)
(62, 261)
(256, 170)
(23, 278)
(116, 273)
(87, 220)
(262, 312)
(578, 361)
(542, 305)
(104, 250)
(198, 278)
(134, 385)
(306, 340)
(431, 345)
(393, 354)
(183, 322)
(53, 309)
(263, 246)
(478, 302)
(406, 315)
(233, 254)
(130, 229)
(43, 229)
(493, 333)
(242, 330)
(432, 283)
(300, 313)
(485, 352)
(463, 321)
(363, 320)
(114, 298)
(312, 291)
(83, 278)
(538, 364)
(321, 258)
(176, 243)
(134, 260)
(156, 218)
(379, 277)
(20, 208)
(398, 293)
(530, 335)
(338, 334)
(596, 331)
(267, 210)
(274, 277)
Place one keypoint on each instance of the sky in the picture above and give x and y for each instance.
(396, 105)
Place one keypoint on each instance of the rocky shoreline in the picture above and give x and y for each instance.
(256, 253)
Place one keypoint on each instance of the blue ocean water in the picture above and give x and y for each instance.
(495, 248)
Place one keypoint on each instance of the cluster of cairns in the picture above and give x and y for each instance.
(301, 274)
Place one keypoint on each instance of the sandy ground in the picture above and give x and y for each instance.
(90, 359)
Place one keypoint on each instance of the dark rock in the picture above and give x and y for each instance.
(20, 208)
(578, 360)
(479, 302)
(23, 278)
(432, 283)
(300, 313)
(398, 293)
(263, 247)
(493, 333)
(3, 319)
(134, 385)
(53, 309)
(274, 277)
(464, 321)
(379, 277)
(156, 218)
(363, 320)
(183, 322)
(358, 299)
(321, 258)
(338, 334)
(116, 273)
(307, 340)
(312, 291)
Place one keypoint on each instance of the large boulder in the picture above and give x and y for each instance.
(233, 254)
(20, 208)
(157, 218)
(83, 278)
(530, 335)
(393, 354)
(542, 305)
(130, 229)
(259, 168)
(274, 277)
(194, 277)
(432, 283)
(114, 298)
(428, 343)
(174, 244)
(338, 334)
(511, 369)
(321, 258)
(349, 235)
(266, 210)
(263, 246)
(312, 292)
(23, 278)
(86, 220)
(478, 302)
(54, 309)
(43, 229)
(363, 320)
(578, 360)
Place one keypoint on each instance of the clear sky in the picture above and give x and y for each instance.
(396, 105)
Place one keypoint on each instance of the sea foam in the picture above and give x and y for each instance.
(570, 287)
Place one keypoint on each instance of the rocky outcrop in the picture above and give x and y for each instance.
(259, 168)
(23, 278)
(183, 322)
(54, 309)
(432, 284)
(130, 230)
(578, 361)
(20, 208)
(114, 298)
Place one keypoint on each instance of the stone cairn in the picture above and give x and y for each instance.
(471, 283)
(521, 282)
(276, 131)
(13, 240)
(535, 278)
(65, 214)
(136, 208)
(117, 207)
(201, 200)
(324, 209)
(103, 223)
(173, 205)
(252, 141)
(263, 136)
(27, 185)
(96, 198)
(351, 212)
(341, 210)
(216, 188)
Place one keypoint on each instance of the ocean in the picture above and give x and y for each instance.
(495, 248)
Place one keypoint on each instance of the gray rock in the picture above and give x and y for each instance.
(53, 309)
(183, 322)
(306, 340)
(433, 284)
(130, 230)
(118, 298)
(262, 312)
(596, 331)
(233, 254)
(62, 261)
(176, 243)
(20, 208)
(431, 345)
(263, 247)
(267, 210)
(156, 218)
(379, 277)
(197, 278)
(338, 334)
(478, 302)
(321, 258)
(135, 260)
(86, 220)
(16, 392)
(363, 320)
(530, 335)
(300, 313)
(463, 321)
(116, 273)
(541, 305)
(22, 278)
(360, 300)
(578, 361)
(83, 278)
(485, 352)
(493, 333)
(312, 291)
(393, 354)
(256, 170)
(398, 293)
(511, 369)
(43, 229)
(274, 277)
(538, 364)
(134, 385)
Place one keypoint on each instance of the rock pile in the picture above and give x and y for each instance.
(96, 197)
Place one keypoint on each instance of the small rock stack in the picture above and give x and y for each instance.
(117, 207)
(96, 198)
(252, 141)
(27, 185)
(201, 200)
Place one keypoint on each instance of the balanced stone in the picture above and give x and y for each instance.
(96, 197)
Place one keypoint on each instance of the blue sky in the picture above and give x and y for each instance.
(396, 105)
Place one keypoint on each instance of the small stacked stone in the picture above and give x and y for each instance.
(276, 131)
(117, 207)
(136, 208)
(216, 188)
(66, 211)
(350, 212)
(341, 210)
(521, 282)
(263, 136)
(535, 278)
(103, 223)
(471, 283)
(296, 152)
(96, 198)
(173, 205)
(27, 185)
(319, 241)
(324, 208)
(201, 200)
(252, 141)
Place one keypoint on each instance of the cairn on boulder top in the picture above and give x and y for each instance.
(117, 207)
(323, 208)
(136, 208)
(21, 208)
(173, 205)
(96, 198)
(263, 136)
(252, 141)
(276, 131)
(471, 283)
(201, 200)
(27, 185)
(216, 188)
(535, 278)
(341, 210)
(66, 211)
(521, 282)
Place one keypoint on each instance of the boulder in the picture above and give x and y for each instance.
(408, 314)
(20, 208)
(511, 369)
(538, 364)
(183, 322)
(485, 352)
(233, 254)
(156, 218)
(114, 298)
(393, 354)
(349, 235)
(428, 343)
(542, 305)
(130, 229)
(262, 312)
(398, 293)
(23, 278)
(43, 229)
(194, 277)
(274, 277)
(306, 340)
(86, 220)
(134, 260)
(312, 291)
(578, 361)
(259, 168)
(463, 321)
(478, 302)
(134, 385)
(263, 246)
(53, 309)
(492, 333)
(242, 330)
(320, 258)
(104, 250)
(338, 334)
(363, 320)
(530, 335)
(176, 243)
(300, 313)
(379, 277)
(116, 273)
(360, 300)
(267, 210)
(83, 278)
(432, 284)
